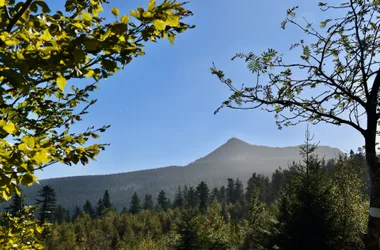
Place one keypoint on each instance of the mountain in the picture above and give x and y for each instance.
(235, 159)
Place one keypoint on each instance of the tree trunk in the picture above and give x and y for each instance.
(373, 234)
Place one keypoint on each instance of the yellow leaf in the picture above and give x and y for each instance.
(29, 140)
(147, 14)
(9, 128)
(105, 35)
(172, 21)
(124, 19)
(115, 11)
(87, 16)
(78, 25)
(23, 147)
(89, 73)
(2, 3)
(5, 195)
(12, 42)
(42, 156)
(20, 56)
(61, 81)
(28, 179)
(151, 4)
(171, 38)
(46, 36)
(159, 24)
(135, 14)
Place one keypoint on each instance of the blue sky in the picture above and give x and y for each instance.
(161, 106)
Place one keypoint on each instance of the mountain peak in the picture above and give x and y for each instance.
(235, 140)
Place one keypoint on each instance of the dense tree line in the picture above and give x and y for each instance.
(313, 204)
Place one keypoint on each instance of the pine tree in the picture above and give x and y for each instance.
(178, 200)
(124, 210)
(148, 202)
(185, 193)
(106, 200)
(214, 196)
(192, 200)
(87, 208)
(99, 208)
(188, 229)
(276, 183)
(47, 204)
(257, 224)
(16, 205)
(135, 206)
(238, 192)
(230, 191)
(305, 216)
(203, 193)
(77, 213)
(59, 214)
(252, 184)
(162, 201)
(222, 194)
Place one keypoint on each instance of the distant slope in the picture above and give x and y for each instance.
(235, 158)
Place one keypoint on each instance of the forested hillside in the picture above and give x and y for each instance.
(310, 205)
(234, 159)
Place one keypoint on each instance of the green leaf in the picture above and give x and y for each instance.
(61, 82)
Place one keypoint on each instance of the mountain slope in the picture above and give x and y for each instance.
(235, 159)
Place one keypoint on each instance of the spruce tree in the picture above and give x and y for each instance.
(106, 200)
(192, 200)
(59, 214)
(238, 192)
(124, 210)
(203, 193)
(148, 202)
(77, 213)
(214, 196)
(222, 194)
(189, 230)
(99, 208)
(135, 206)
(185, 193)
(178, 199)
(16, 205)
(47, 203)
(305, 216)
(87, 208)
(276, 183)
(230, 191)
(252, 184)
(162, 201)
